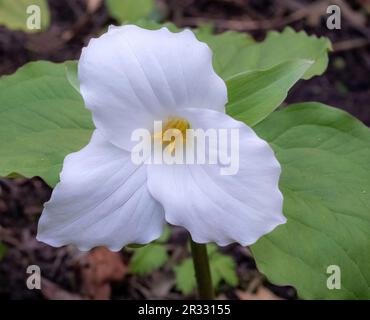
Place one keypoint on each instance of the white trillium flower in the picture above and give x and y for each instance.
(129, 78)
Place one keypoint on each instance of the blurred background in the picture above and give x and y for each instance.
(101, 274)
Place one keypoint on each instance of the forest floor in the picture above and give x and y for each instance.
(101, 274)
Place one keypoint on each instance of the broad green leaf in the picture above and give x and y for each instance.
(2, 250)
(325, 158)
(254, 95)
(278, 48)
(228, 49)
(42, 119)
(185, 276)
(148, 258)
(15, 14)
(130, 10)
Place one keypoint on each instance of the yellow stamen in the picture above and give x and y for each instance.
(172, 127)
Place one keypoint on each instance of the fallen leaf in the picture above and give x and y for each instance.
(99, 268)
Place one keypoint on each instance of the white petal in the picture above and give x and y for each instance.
(131, 76)
(222, 208)
(102, 199)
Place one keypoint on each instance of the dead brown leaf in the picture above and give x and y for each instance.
(99, 268)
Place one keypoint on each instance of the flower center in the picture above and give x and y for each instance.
(173, 133)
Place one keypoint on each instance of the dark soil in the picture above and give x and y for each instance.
(346, 85)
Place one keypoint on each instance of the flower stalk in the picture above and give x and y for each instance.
(202, 270)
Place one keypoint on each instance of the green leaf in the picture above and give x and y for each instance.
(72, 74)
(130, 10)
(223, 268)
(42, 119)
(275, 49)
(324, 153)
(185, 276)
(165, 235)
(254, 95)
(13, 14)
(2, 250)
(148, 258)
(228, 50)
(211, 249)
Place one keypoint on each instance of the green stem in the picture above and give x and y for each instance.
(202, 270)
